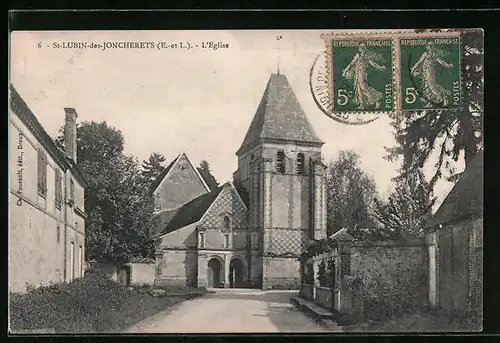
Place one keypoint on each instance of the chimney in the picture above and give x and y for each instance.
(70, 133)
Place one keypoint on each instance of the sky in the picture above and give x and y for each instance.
(198, 101)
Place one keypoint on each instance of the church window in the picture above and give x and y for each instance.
(202, 240)
(300, 163)
(227, 223)
(280, 162)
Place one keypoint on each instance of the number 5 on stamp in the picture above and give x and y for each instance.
(361, 71)
(430, 73)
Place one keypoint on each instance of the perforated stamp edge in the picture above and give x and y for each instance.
(424, 35)
(395, 36)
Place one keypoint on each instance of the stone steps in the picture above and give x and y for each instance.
(321, 315)
(317, 311)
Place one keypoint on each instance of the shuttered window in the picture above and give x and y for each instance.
(58, 189)
(71, 190)
(42, 173)
(72, 261)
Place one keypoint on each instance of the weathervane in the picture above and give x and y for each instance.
(278, 38)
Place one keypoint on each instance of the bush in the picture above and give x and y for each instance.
(322, 274)
(330, 275)
(309, 274)
(93, 303)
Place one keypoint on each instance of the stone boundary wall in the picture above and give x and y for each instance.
(391, 271)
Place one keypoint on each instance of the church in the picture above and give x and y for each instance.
(249, 232)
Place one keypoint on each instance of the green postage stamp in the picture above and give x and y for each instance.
(371, 73)
(362, 74)
(430, 72)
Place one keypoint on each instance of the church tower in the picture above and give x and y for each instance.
(280, 168)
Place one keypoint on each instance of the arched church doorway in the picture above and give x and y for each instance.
(236, 273)
(214, 273)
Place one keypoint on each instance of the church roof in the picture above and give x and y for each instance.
(163, 218)
(160, 177)
(280, 116)
(192, 211)
(465, 200)
(156, 183)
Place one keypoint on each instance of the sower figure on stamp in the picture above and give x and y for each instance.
(425, 72)
(356, 70)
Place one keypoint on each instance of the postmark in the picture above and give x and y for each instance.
(361, 73)
(430, 72)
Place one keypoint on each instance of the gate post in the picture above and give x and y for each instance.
(432, 242)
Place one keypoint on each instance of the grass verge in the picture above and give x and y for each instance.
(379, 319)
(92, 304)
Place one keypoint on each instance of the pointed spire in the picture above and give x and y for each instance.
(278, 38)
(280, 116)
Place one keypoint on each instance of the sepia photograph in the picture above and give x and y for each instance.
(246, 181)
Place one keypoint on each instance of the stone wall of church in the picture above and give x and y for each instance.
(177, 258)
(180, 186)
(177, 267)
(285, 199)
(281, 273)
(256, 271)
(290, 201)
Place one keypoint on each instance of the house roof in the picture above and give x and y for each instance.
(19, 106)
(160, 177)
(279, 116)
(192, 211)
(465, 200)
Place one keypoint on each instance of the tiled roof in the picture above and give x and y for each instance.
(245, 196)
(160, 177)
(465, 200)
(192, 211)
(280, 116)
(163, 218)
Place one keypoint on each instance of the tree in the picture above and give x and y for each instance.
(420, 134)
(350, 196)
(206, 173)
(408, 207)
(153, 167)
(116, 200)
